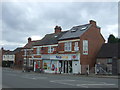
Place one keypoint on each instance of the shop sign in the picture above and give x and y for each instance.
(61, 57)
(65, 57)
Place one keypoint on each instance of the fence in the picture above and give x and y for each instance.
(103, 69)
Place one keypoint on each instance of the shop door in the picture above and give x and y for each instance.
(66, 66)
(70, 67)
(76, 67)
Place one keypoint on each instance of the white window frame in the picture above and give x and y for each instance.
(24, 61)
(38, 50)
(25, 52)
(31, 62)
(76, 48)
(50, 49)
(68, 46)
(85, 47)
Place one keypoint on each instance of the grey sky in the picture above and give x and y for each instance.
(29, 19)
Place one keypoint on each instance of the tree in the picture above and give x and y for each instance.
(111, 39)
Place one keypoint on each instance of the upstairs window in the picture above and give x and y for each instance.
(76, 48)
(67, 46)
(50, 49)
(85, 47)
(25, 52)
(38, 50)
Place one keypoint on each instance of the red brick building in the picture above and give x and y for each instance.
(18, 58)
(71, 51)
(28, 55)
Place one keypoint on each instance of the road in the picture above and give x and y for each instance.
(17, 79)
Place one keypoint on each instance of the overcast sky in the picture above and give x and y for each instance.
(21, 20)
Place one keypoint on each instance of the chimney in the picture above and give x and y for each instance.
(2, 48)
(29, 39)
(93, 22)
(57, 29)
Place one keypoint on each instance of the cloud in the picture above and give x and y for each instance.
(21, 20)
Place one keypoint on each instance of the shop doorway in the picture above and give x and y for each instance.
(66, 66)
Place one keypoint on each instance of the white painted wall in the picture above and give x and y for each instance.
(8, 57)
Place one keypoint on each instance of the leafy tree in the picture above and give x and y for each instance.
(113, 39)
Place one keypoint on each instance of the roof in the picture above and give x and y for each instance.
(9, 53)
(109, 50)
(75, 32)
(50, 38)
(18, 49)
(30, 44)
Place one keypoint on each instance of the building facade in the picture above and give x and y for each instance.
(28, 55)
(108, 59)
(18, 58)
(8, 59)
(71, 51)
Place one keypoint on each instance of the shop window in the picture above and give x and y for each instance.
(67, 46)
(85, 47)
(46, 64)
(38, 63)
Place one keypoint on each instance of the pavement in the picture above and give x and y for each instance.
(90, 75)
(19, 79)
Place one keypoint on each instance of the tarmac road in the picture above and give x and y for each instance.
(18, 79)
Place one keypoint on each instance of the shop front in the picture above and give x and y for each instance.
(37, 63)
(62, 63)
(69, 63)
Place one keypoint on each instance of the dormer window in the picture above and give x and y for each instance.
(84, 27)
(55, 36)
(74, 29)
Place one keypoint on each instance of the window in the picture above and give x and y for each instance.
(24, 62)
(25, 52)
(76, 48)
(31, 62)
(38, 50)
(50, 49)
(67, 46)
(109, 61)
(85, 47)
(38, 63)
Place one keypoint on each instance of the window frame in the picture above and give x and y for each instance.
(85, 47)
(67, 46)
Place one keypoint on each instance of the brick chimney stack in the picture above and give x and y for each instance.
(29, 39)
(57, 29)
(93, 22)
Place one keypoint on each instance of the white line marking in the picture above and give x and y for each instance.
(95, 84)
(59, 82)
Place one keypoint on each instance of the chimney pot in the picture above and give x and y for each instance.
(93, 22)
(29, 39)
(57, 29)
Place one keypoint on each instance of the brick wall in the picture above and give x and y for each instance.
(95, 41)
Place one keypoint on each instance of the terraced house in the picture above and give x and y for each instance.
(71, 51)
